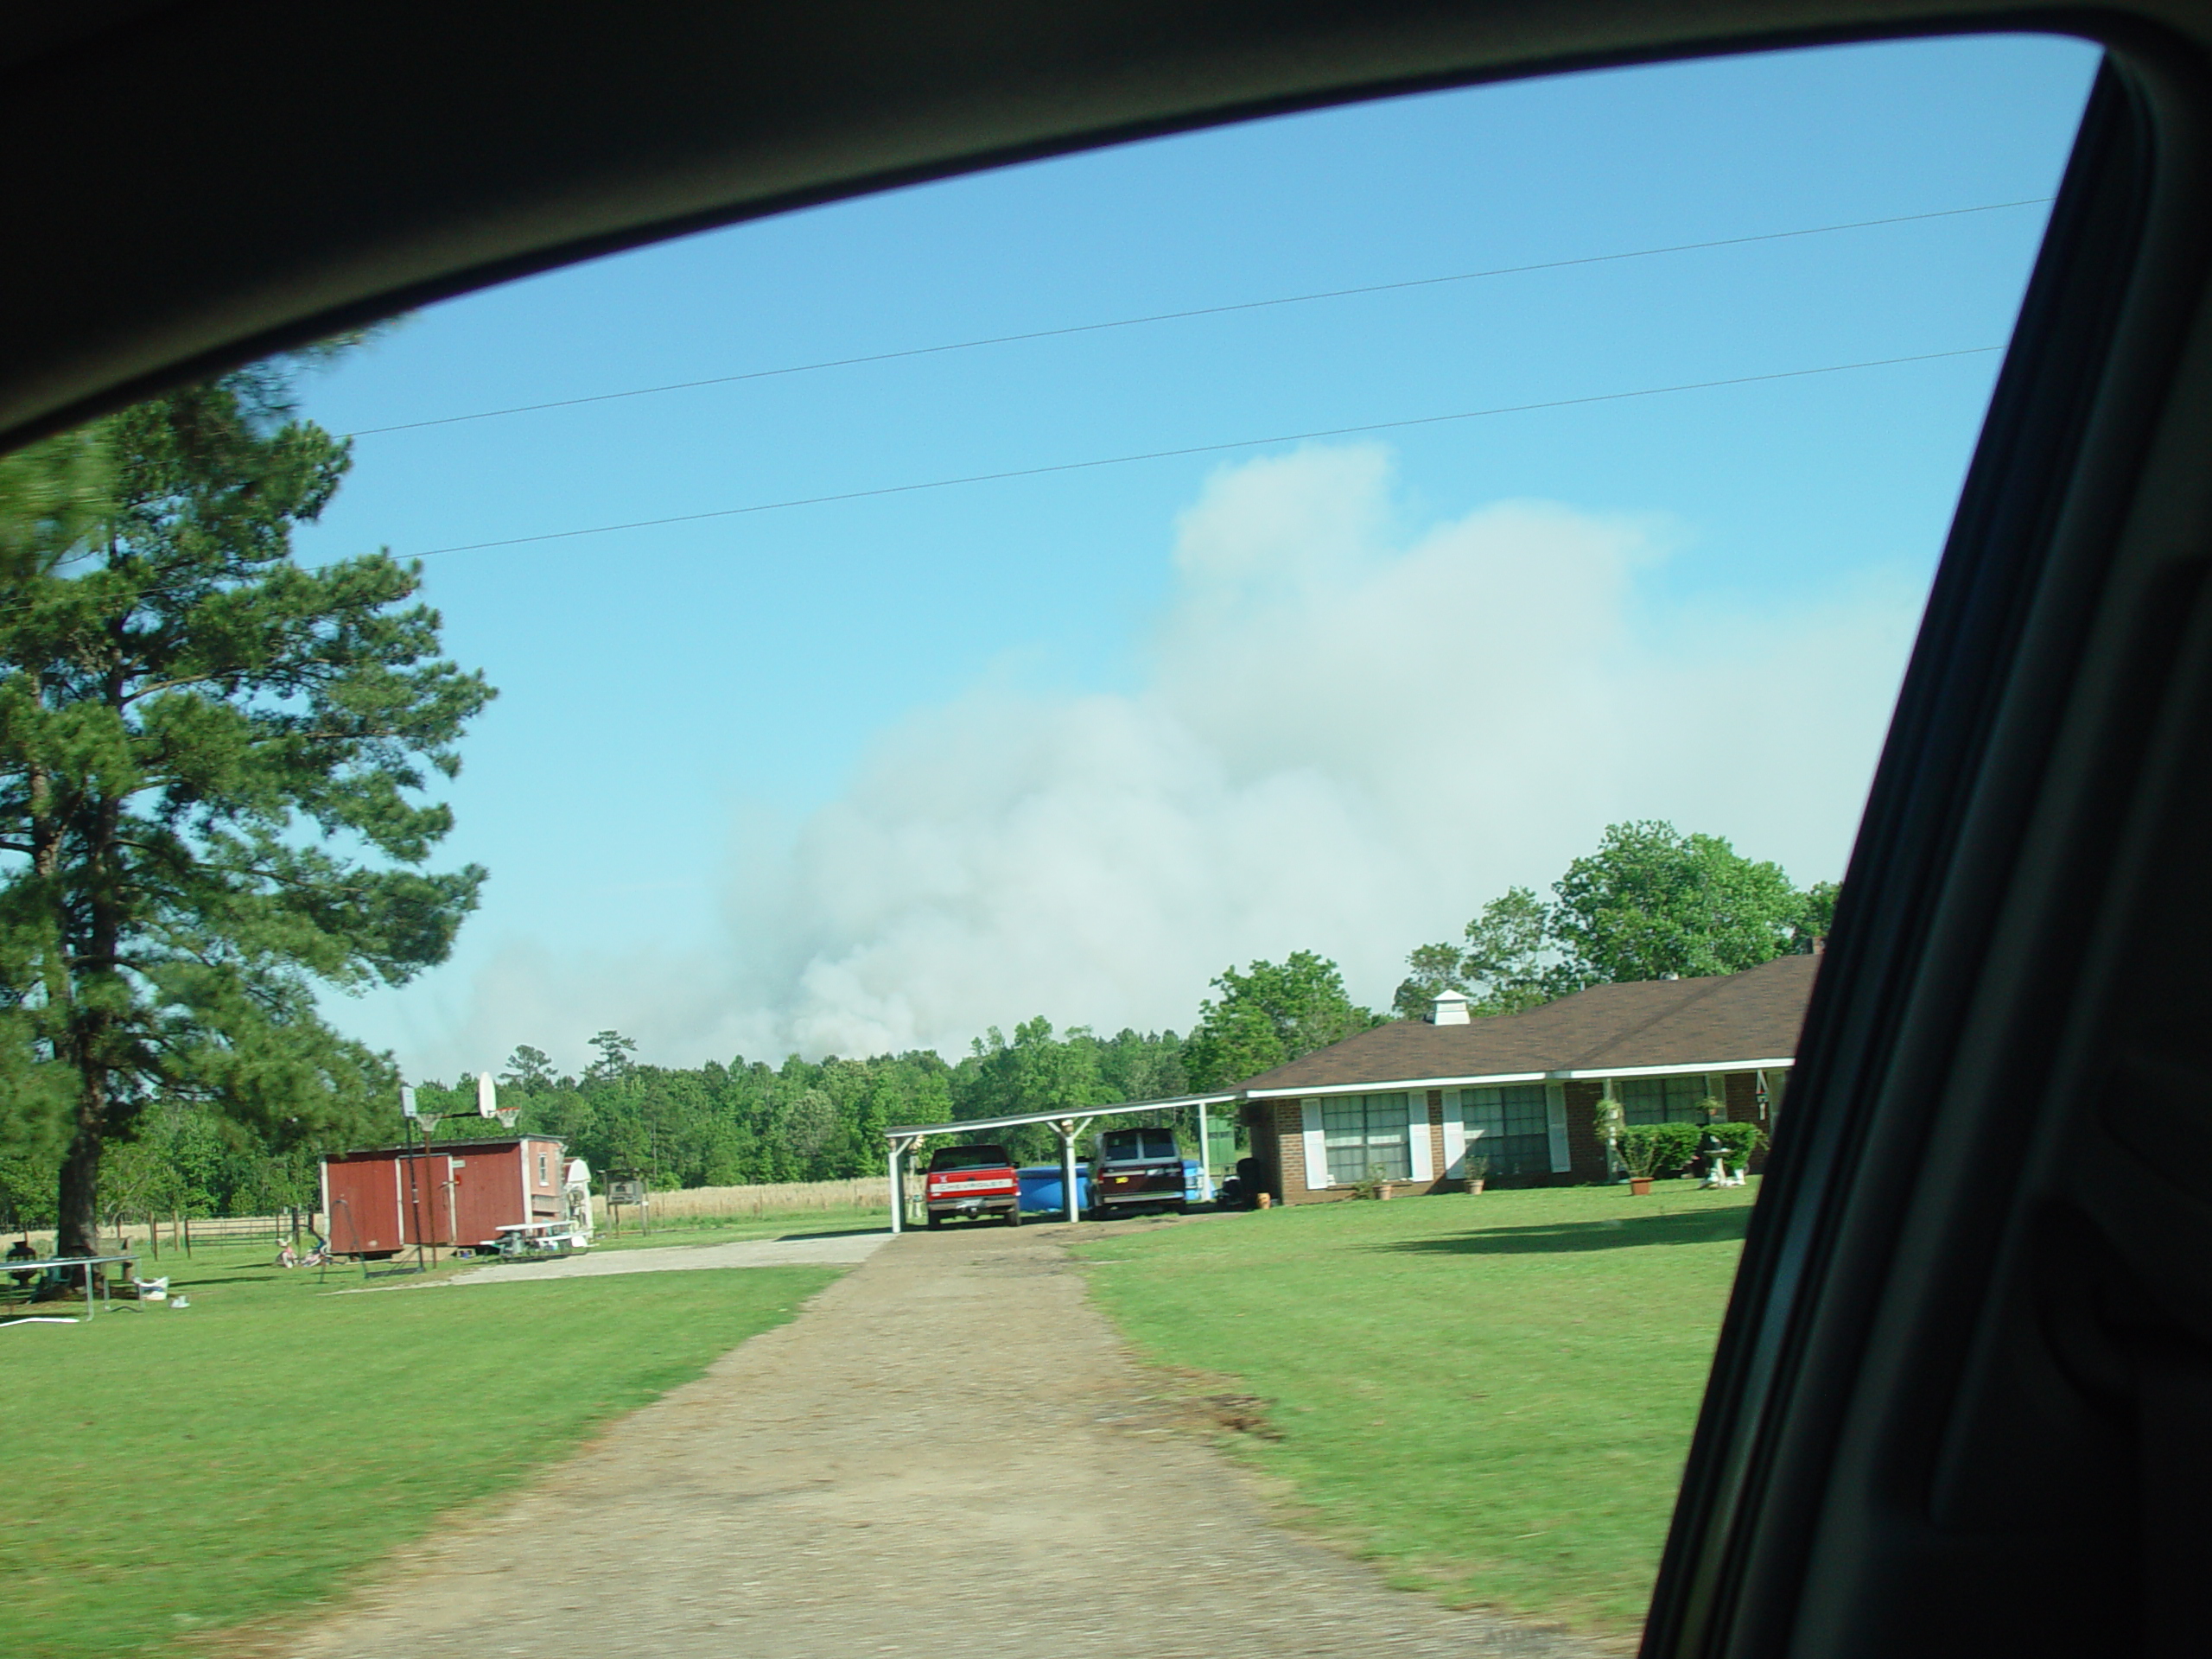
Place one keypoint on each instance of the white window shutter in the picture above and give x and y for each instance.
(1317, 1149)
(1556, 1124)
(1455, 1137)
(1421, 1160)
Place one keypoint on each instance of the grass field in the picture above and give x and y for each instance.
(1490, 1395)
(170, 1472)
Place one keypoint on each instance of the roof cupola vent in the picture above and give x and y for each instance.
(1450, 1008)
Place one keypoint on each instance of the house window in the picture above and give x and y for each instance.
(1366, 1137)
(1662, 1100)
(541, 1169)
(1509, 1126)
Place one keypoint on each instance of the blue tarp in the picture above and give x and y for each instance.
(1042, 1189)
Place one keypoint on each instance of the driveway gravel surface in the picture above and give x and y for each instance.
(836, 1250)
(947, 1451)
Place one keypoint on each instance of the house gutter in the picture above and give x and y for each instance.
(1494, 1078)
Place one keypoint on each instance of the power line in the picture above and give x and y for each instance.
(1201, 449)
(1200, 311)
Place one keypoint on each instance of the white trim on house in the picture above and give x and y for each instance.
(1317, 1146)
(1378, 1085)
(1719, 1068)
(1555, 1127)
(1420, 1157)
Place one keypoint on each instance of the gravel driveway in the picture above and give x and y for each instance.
(947, 1451)
(836, 1250)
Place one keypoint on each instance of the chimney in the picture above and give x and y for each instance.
(1450, 1008)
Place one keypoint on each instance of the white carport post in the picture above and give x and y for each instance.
(900, 1147)
(1066, 1126)
(1205, 1160)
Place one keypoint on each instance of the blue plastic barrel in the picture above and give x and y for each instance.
(1044, 1193)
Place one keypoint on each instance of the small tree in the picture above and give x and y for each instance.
(617, 1058)
(530, 1070)
(1652, 902)
(1509, 963)
(1272, 1014)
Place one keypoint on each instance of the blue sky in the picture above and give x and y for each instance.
(882, 772)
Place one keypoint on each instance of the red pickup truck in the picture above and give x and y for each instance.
(971, 1181)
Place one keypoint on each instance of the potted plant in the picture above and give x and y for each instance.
(1643, 1151)
(1478, 1172)
(1651, 1151)
(1378, 1184)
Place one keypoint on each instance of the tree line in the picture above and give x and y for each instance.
(1649, 900)
(217, 777)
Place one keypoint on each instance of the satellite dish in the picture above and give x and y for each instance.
(487, 1096)
(407, 1102)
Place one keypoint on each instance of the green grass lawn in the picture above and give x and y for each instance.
(170, 1472)
(1492, 1394)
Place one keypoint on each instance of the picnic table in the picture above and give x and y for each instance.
(25, 1278)
(540, 1238)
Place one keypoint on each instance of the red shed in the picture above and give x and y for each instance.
(386, 1199)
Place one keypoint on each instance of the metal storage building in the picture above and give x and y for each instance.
(382, 1200)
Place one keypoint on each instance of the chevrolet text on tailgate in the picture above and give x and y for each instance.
(971, 1181)
(1137, 1170)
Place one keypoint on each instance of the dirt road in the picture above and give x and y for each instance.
(947, 1451)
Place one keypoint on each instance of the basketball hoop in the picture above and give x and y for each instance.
(507, 1115)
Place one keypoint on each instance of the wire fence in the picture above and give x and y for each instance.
(186, 1232)
(782, 1197)
(680, 1203)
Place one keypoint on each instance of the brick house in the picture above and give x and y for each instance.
(1415, 1099)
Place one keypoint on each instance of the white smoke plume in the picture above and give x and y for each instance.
(1346, 738)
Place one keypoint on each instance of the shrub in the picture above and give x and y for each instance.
(1651, 1151)
(1742, 1139)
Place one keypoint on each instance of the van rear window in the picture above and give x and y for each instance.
(1140, 1143)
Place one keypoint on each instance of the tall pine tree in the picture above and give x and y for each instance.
(211, 760)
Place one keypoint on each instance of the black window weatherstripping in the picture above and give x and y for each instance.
(1959, 1402)
(1963, 1398)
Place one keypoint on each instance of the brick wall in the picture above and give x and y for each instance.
(1585, 1153)
(1259, 1116)
(1436, 1158)
(1743, 1103)
(1284, 1130)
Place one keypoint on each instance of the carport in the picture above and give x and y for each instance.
(903, 1138)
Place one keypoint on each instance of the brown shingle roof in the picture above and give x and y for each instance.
(1727, 1018)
